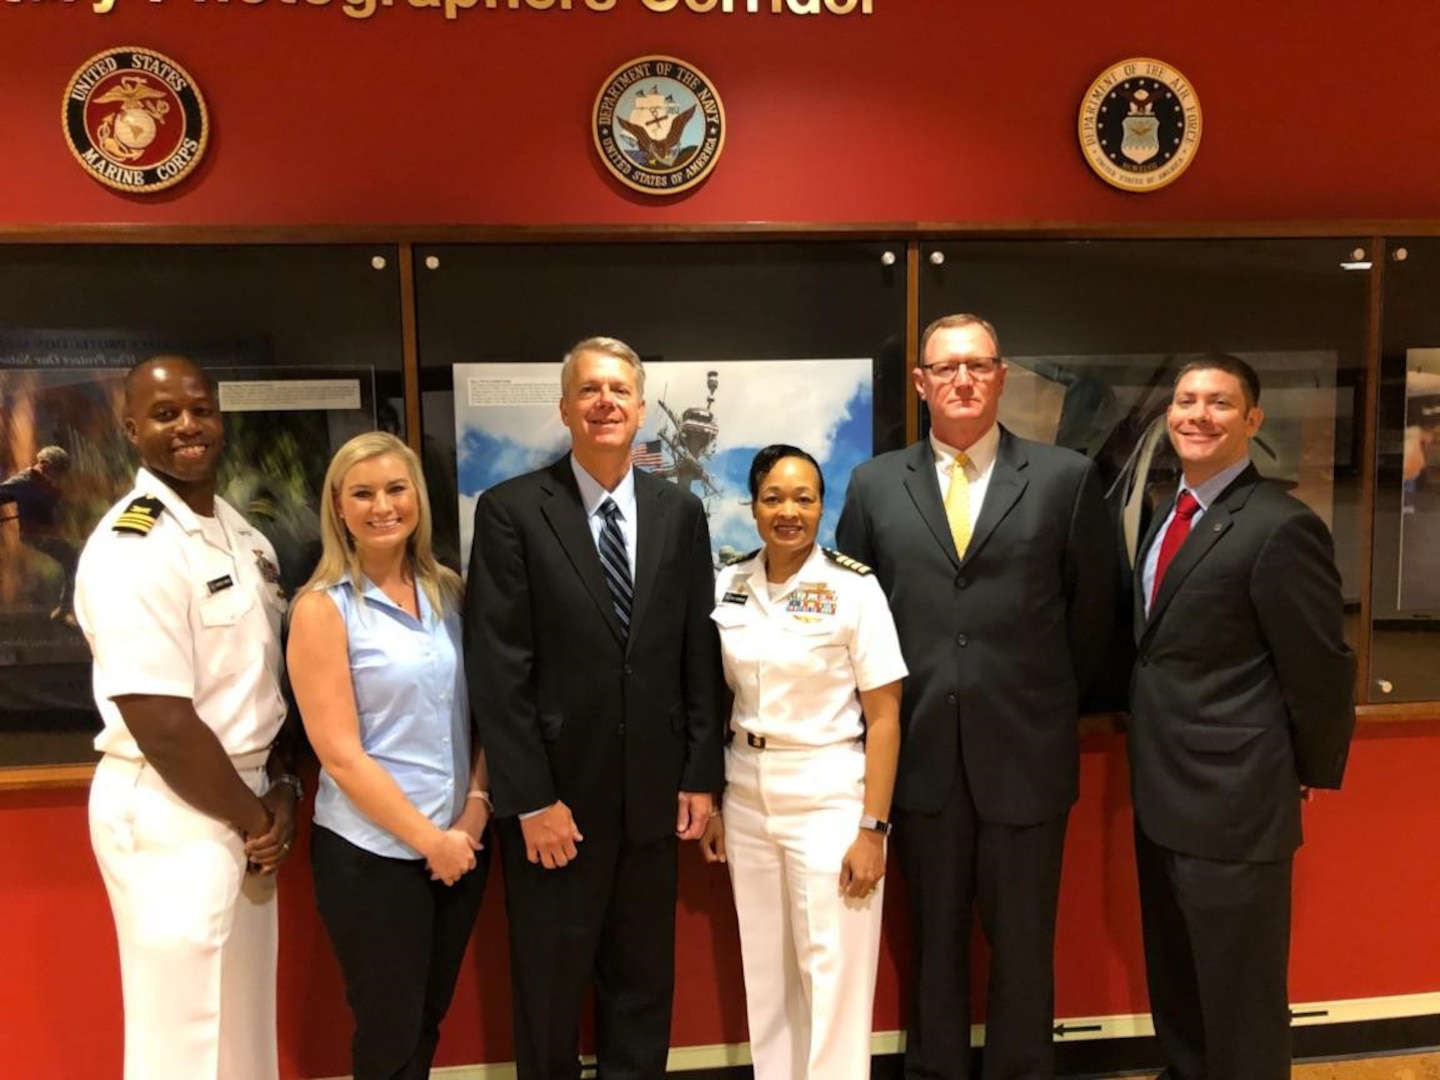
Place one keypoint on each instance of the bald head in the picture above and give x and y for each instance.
(141, 378)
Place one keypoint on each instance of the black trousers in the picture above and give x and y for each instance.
(954, 860)
(1217, 952)
(608, 916)
(63, 553)
(400, 938)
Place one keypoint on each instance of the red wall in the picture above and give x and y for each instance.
(927, 110)
(1364, 925)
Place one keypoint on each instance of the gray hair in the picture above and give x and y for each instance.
(53, 457)
(607, 346)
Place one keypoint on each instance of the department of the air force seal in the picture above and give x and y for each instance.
(1140, 124)
(135, 120)
(659, 125)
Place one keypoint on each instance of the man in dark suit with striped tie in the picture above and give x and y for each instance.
(1241, 698)
(594, 676)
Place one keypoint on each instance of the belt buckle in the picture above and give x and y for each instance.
(757, 741)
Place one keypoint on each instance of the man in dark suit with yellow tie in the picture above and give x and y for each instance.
(594, 674)
(1241, 698)
(996, 555)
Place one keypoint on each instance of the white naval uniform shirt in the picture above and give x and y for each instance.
(180, 613)
(795, 662)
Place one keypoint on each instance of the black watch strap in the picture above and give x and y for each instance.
(876, 825)
(291, 781)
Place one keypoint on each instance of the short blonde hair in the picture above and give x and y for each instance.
(607, 346)
(338, 556)
(949, 322)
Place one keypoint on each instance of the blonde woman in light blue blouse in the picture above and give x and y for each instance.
(402, 805)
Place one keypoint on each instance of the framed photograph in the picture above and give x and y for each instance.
(65, 460)
(703, 423)
(1418, 583)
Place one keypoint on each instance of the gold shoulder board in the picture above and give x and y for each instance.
(746, 557)
(140, 516)
(847, 562)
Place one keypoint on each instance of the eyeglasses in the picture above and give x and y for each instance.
(977, 367)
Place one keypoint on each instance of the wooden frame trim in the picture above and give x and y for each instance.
(51, 777)
(912, 338)
(147, 233)
(45, 777)
(406, 237)
(410, 347)
(1367, 431)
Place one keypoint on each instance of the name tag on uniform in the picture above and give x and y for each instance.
(735, 598)
(220, 584)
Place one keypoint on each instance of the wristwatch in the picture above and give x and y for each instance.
(876, 825)
(291, 781)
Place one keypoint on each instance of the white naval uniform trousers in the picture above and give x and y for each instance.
(792, 809)
(192, 610)
(198, 936)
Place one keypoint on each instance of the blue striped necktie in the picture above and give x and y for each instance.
(614, 563)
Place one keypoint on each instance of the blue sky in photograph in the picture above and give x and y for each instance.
(823, 406)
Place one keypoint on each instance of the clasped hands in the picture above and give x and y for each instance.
(266, 849)
(451, 855)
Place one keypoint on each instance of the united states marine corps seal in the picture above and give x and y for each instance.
(135, 120)
(659, 125)
(1140, 125)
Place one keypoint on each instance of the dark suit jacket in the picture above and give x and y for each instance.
(567, 707)
(1243, 685)
(1001, 644)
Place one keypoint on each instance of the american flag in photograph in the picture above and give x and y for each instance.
(646, 455)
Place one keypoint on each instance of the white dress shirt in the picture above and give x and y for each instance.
(593, 496)
(1205, 494)
(982, 463)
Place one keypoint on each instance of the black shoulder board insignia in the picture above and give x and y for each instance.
(140, 516)
(848, 563)
(733, 559)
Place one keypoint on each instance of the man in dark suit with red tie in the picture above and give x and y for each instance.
(1240, 700)
(594, 675)
(997, 559)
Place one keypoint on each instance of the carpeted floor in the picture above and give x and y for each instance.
(1408, 1067)
(1402, 1067)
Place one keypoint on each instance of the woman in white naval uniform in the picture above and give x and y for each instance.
(813, 661)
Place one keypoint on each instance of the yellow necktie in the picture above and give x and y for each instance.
(957, 505)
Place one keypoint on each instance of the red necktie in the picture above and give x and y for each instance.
(1185, 507)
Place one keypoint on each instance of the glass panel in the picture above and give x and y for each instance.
(1095, 330)
(305, 345)
(1406, 602)
(709, 304)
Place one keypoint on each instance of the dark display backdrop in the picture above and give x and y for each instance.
(696, 302)
(1405, 629)
(1108, 322)
(72, 319)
